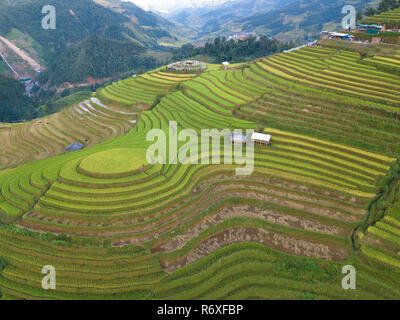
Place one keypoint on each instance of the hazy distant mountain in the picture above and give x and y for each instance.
(302, 19)
(170, 6)
(287, 19)
(208, 19)
(147, 25)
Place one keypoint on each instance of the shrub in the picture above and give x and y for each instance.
(3, 263)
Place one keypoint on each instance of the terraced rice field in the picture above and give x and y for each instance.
(115, 228)
(308, 90)
(381, 243)
(388, 18)
(144, 90)
(389, 64)
(88, 123)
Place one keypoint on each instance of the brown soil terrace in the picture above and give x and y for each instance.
(275, 241)
(175, 219)
(249, 212)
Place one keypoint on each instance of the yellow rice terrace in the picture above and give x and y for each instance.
(113, 163)
(323, 193)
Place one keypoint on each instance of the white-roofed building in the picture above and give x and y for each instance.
(341, 36)
(261, 138)
(225, 64)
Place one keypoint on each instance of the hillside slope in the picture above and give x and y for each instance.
(20, 22)
(14, 104)
(98, 58)
(391, 19)
(148, 26)
(115, 226)
(76, 20)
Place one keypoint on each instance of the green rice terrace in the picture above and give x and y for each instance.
(389, 18)
(323, 195)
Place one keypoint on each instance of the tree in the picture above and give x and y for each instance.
(370, 12)
(387, 5)
(232, 51)
(14, 104)
(360, 15)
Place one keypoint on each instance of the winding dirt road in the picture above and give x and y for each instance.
(36, 66)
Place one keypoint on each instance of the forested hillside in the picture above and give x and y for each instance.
(14, 105)
(222, 50)
(76, 20)
(98, 58)
(120, 28)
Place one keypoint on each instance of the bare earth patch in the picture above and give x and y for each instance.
(299, 247)
(249, 212)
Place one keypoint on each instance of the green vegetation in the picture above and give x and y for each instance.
(26, 17)
(324, 194)
(114, 162)
(381, 243)
(15, 105)
(56, 105)
(87, 34)
(294, 100)
(223, 50)
(382, 50)
(81, 19)
(387, 64)
(252, 271)
(98, 58)
(88, 123)
(388, 14)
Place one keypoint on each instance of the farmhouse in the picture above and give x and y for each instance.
(261, 139)
(340, 36)
(225, 64)
(369, 28)
(336, 36)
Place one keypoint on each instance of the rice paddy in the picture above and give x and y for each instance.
(115, 226)
(389, 18)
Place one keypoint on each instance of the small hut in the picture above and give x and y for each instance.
(225, 64)
(261, 139)
(74, 147)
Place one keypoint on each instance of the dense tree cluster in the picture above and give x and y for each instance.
(384, 5)
(232, 51)
(98, 58)
(14, 104)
